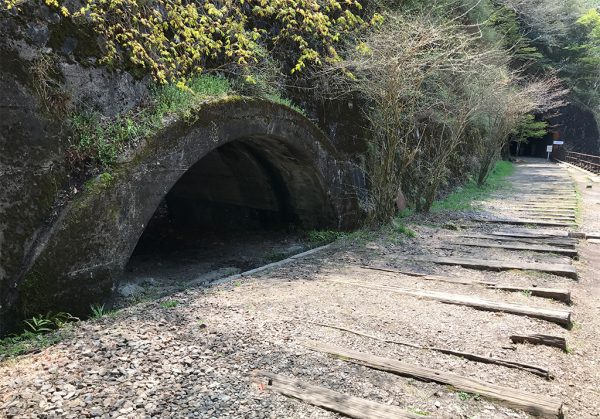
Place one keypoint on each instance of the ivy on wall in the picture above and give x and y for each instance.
(173, 39)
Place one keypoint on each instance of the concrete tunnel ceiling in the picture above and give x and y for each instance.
(271, 162)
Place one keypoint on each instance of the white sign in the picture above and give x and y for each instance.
(559, 142)
(549, 149)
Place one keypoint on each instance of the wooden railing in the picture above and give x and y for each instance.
(588, 162)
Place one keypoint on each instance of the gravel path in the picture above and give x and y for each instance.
(196, 359)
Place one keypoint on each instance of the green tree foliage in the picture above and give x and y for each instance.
(565, 32)
(529, 127)
(585, 65)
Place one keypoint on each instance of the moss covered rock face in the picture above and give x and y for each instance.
(44, 74)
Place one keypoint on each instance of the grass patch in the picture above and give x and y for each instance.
(99, 310)
(417, 411)
(526, 293)
(169, 304)
(467, 396)
(401, 229)
(323, 237)
(273, 97)
(465, 197)
(27, 342)
(40, 331)
(396, 231)
(180, 99)
(101, 140)
(358, 237)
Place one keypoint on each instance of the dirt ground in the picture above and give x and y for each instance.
(195, 357)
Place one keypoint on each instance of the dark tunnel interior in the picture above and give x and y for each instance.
(241, 206)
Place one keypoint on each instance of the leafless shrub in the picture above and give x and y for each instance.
(432, 89)
(513, 98)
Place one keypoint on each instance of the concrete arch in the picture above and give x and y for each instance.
(91, 241)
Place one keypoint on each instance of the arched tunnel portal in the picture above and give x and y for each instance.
(235, 206)
(238, 165)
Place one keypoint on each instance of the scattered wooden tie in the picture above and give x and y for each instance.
(551, 205)
(569, 197)
(350, 406)
(426, 276)
(549, 241)
(500, 265)
(547, 216)
(562, 317)
(535, 404)
(554, 341)
(552, 293)
(532, 248)
(544, 210)
(523, 221)
(532, 234)
(534, 369)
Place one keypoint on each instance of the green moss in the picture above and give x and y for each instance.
(465, 197)
(322, 237)
(27, 342)
(100, 183)
(169, 304)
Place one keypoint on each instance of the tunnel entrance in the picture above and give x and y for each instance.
(245, 204)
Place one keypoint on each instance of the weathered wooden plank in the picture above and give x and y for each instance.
(534, 369)
(350, 406)
(334, 401)
(426, 276)
(552, 293)
(531, 247)
(544, 210)
(560, 269)
(523, 221)
(554, 341)
(551, 241)
(545, 217)
(562, 317)
(536, 404)
(570, 197)
(537, 200)
(532, 233)
(544, 200)
(545, 204)
(531, 213)
(396, 271)
(544, 191)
